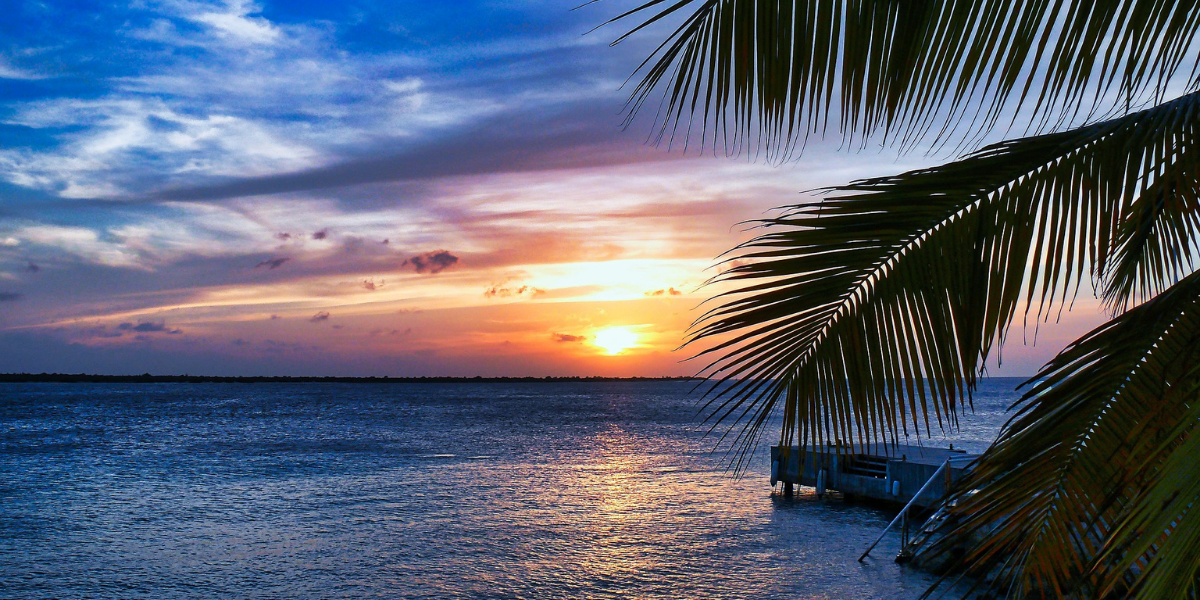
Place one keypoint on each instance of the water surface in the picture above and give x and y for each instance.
(533, 490)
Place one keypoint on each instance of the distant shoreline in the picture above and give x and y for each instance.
(147, 378)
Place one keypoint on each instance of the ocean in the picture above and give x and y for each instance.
(489, 490)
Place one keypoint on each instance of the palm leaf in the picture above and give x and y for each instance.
(1085, 490)
(780, 70)
(863, 312)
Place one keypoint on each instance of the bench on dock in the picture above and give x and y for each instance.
(893, 473)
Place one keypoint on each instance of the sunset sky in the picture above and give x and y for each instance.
(363, 188)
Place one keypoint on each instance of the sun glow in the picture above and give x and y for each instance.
(615, 340)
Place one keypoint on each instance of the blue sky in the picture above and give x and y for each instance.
(185, 186)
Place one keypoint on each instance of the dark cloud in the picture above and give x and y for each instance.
(9, 297)
(272, 263)
(101, 331)
(320, 316)
(274, 317)
(32, 268)
(567, 338)
(392, 332)
(579, 135)
(432, 262)
(503, 292)
(667, 292)
(283, 235)
(320, 235)
(148, 327)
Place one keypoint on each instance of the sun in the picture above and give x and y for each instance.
(615, 340)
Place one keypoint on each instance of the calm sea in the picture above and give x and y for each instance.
(573, 490)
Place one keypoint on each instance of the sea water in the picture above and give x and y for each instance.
(490, 490)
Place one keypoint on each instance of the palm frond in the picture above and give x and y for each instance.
(779, 70)
(864, 311)
(1085, 489)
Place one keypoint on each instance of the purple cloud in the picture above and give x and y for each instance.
(32, 268)
(148, 327)
(320, 316)
(320, 235)
(9, 297)
(503, 292)
(567, 338)
(432, 262)
(272, 263)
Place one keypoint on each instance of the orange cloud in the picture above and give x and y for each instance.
(667, 292)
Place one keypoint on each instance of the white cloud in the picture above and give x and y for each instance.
(110, 155)
(235, 25)
(10, 71)
(82, 243)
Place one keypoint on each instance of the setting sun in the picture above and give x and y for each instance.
(615, 340)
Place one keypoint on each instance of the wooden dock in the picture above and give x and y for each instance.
(888, 473)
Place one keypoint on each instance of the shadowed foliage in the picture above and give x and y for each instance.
(1100, 453)
(869, 314)
(777, 71)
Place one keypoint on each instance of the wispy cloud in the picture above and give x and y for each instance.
(148, 327)
(237, 24)
(10, 71)
(272, 263)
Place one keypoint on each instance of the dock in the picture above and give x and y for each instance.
(891, 473)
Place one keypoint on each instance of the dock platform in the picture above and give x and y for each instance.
(885, 472)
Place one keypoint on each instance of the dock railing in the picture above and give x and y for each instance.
(903, 515)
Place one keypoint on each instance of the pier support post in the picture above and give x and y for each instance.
(787, 489)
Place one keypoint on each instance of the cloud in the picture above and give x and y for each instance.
(371, 285)
(101, 331)
(320, 316)
(9, 297)
(86, 244)
(320, 235)
(111, 140)
(272, 263)
(283, 235)
(667, 292)
(503, 292)
(275, 317)
(32, 268)
(9, 71)
(432, 262)
(391, 332)
(567, 338)
(237, 27)
(148, 327)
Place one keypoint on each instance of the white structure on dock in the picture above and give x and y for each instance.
(891, 473)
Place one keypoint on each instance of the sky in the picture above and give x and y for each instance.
(364, 188)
